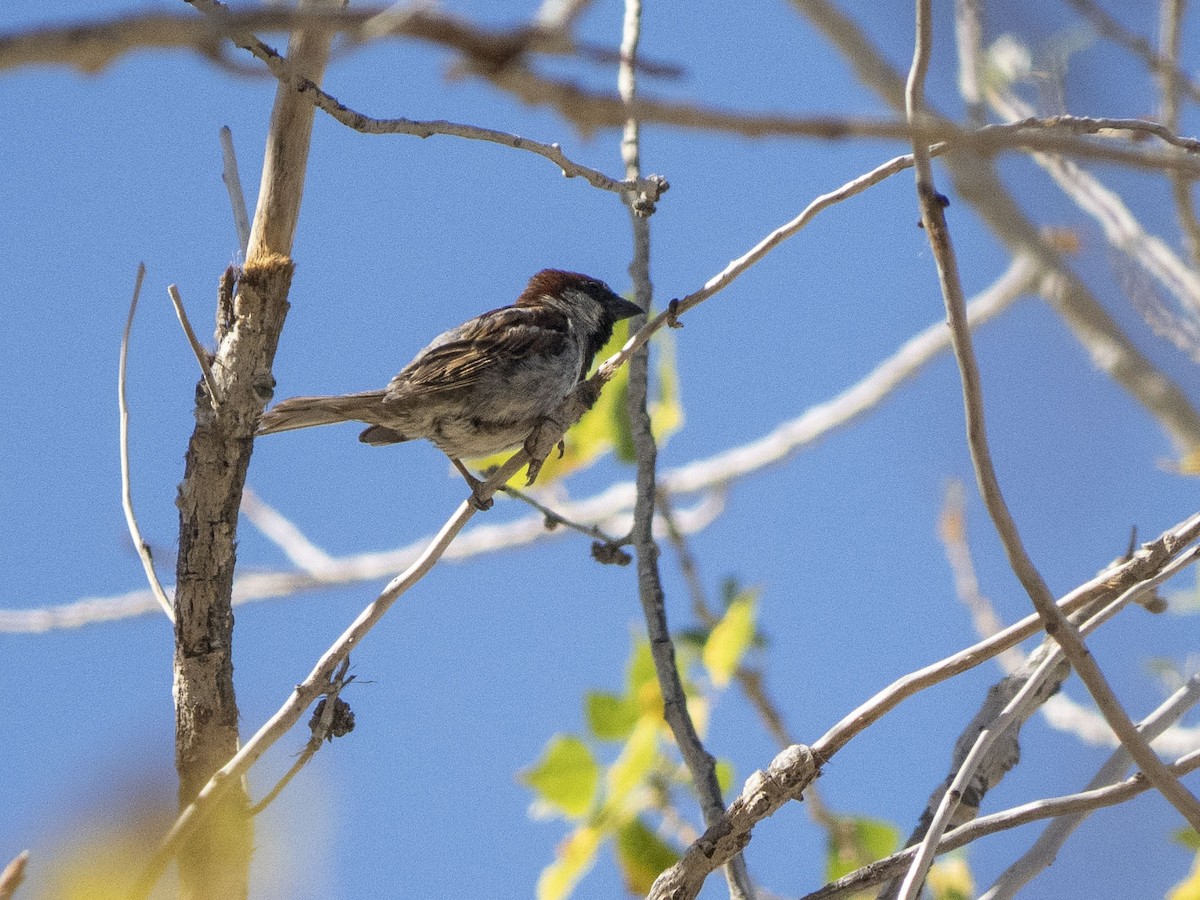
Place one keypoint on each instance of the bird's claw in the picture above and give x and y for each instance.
(476, 499)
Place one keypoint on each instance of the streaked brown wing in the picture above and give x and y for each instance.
(497, 340)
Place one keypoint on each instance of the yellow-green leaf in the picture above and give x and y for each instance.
(634, 763)
(666, 410)
(575, 857)
(611, 718)
(730, 638)
(642, 855)
(566, 777)
(725, 776)
(1187, 837)
(856, 841)
(1189, 888)
(640, 668)
(950, 878)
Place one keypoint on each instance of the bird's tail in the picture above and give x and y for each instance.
(305, 412)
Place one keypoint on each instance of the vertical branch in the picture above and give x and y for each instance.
(214, 861)
(1057, 625)
(700, 763)
(1169, 77)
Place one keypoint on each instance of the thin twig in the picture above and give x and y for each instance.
(282, 532)
(331, 719)
(1171, 80)
(1056, 624)
(649, 189)
(1108, 27)
(210, 381)
(135, 533)
(13, 875)
(1055, 834)
(553, 519)
(1082, 803)
(233, 184)
(1121, 228)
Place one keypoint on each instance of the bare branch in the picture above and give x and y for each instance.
(13, 875)
(1081, 803)
(135, 533)
(332, 718)
(202, 355)
(282, 532)
(700, 763)
(1121, 228)
(233, 184)
(1051, 840)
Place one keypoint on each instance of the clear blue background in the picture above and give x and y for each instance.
(472, 672)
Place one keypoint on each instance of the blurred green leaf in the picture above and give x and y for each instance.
(1187, 837)
(730, 638)
(636, 760)
(575, 857)
(640, 668)
(950, 878)
(725, 776)
(642, 855)
(566, 777)
(856, 841)
(611, 718)
(1189, 888)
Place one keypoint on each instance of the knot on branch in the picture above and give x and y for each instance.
(785, 779)
(643, 199)
(609, 553)
(340, 719)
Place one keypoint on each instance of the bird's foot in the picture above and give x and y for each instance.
(538, 450)
(476, 499)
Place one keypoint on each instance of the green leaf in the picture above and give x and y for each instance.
(640, 668)
(731, 638)
(575, 857)
(566, 777)
(725, 776)
(635, 762)
(1187, 837)
(1189, 888)
(642, 855)
(950, 878)
(859, 840)
(666, 410)
(610, 717)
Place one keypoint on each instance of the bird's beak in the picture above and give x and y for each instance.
(623, 309)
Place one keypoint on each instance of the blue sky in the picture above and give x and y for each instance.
(475, 669)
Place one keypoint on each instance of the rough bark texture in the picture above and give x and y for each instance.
(215, 862)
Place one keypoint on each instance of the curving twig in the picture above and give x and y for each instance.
(135, 533)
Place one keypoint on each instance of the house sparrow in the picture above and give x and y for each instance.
(487, 385)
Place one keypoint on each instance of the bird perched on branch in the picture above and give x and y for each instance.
(487, 385)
